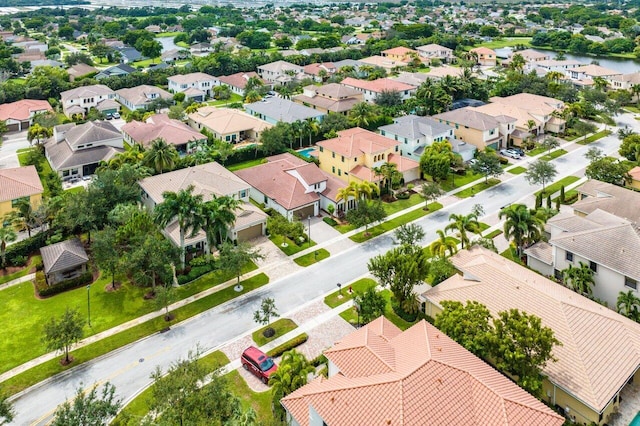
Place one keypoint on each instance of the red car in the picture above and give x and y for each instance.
(256, 361)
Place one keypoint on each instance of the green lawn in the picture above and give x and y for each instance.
(601, 134)
(246, 164)
(18, 81)
(633, 109)
(471, 192)
(394, 223)
(74, 189)
(517, 170)
(311, 258)
(259, 401)
(183, 44)
(510, 254)
(291, 248)
(483, 226)
(456, 181)
(281, 327)
(333, 300)
(33, 261)
(506, 41)
(233, 99)
(493, 234)
(400, 205)
(46, 167)
(351, 315)
(145, 63)
(101, 347)
(536, 151)
(173, 34)
(555, 187)
(553, 155)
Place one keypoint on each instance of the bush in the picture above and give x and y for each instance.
(503, 160)
(287, 346)
(45, 290)
(403, 195)
(409, 317)
(195, 272)
(270, 212)
(23, 249)
(319, 360)
(329, 221)
(19, 261)
(570, 197)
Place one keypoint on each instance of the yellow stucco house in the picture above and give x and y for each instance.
(635, 178)
(354, 154)
(16, 184)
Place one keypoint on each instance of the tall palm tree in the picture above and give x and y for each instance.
(161, 156)
(345, 192)
(292, 374)
(184, 207)
(579, 278)
(360, 114)
(7, 235)
(389, 173)
(218, 215)
(628, 304)
(24, 217)
(365, 190)
(443, 245)
(312, 129)
(521, 225)
(463, 224)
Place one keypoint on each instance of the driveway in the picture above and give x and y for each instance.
(12, 142)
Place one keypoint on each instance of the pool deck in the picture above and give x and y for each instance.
(629, 407)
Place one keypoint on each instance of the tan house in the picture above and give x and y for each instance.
(372, 89)
(331, 97)
(635, 178)
(388, 64)
(380, 375)
(356, 152)
(227, 124)
(80, 70)
(209, 180)
(64, 261)
(435, 51)
(140, 97)
(600, 351)
(321, 71)
(160, 126)
(486, 57)
(400, 53)
(81, 99)
(280, 72)
(18, 184)
(19, 115)
(238, 82)
(477, 128)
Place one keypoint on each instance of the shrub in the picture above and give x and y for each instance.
(503, 160)
(403, 195)
(19, 261)
(195, 272)
(329, 221)
(270, 212)
(23, 249)
(287, 346)
(45, 290)
(409, 317)
(320, 359)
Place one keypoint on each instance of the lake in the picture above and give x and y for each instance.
(625, 66)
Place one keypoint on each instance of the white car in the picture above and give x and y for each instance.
(510, 153)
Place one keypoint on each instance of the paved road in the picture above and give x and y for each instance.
(129, 368)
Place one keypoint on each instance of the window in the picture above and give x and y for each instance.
(333, 155)
(333, 169)
(593, 266)
(631, 283)
(17, 201)
(321, 149)
(569, 256)
(343, 158)
(243, 193)
(339, 172)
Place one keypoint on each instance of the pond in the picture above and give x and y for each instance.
(167, 43)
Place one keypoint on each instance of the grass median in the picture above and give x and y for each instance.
(311, 258)
(555, 187)
(334, 300)
(601, 134)
(281, 327)
(553, 155)
(103, 346)
(380, 229)
(517, 170)
(478, 187)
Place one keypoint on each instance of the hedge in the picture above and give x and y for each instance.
(329, 221)
(286, 346)
(45, 290)
(195, 272)
(23, 249)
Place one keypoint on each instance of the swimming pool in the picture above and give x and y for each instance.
(307, 152)
(635, 421)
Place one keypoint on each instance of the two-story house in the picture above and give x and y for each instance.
(435, 51)
(19, 184)
(400, 53)
(238, 82)
(75, 151)
(320, 72)
(372, 89)
(82, 99)
(585, 75)
(355, 153)
(486, 57)
(332, 97)
(140, 97)
(280, 72)
(477, 128)
(275, 110)
(196, 85)
(228, 124)
(160, 126)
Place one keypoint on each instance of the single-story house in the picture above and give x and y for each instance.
(64, 261)
(275, 110)
(160, 126)
(227, 124)
(115, 71)
(140, 97)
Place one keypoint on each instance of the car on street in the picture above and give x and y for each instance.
(258, 363)
(510, 153)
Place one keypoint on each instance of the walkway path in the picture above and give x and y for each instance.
(17, 281)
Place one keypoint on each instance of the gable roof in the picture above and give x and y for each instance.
(23, 110)
(190, 78)
(90, 132)
(357, 141)
(600, 348)
(433, 48)
(157, 126)
(140, 95)
(239, 79)
(63, 255)
(613, 199)
(280, 67)
(483, 51)
(19, 182)
(593, 70)
(283, 110)
(378, 85)
(80, 69)
(416, 377)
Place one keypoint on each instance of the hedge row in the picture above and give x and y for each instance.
(287, 346)
(329, 221)
(195, 272)
(18, 252)
(45, 290)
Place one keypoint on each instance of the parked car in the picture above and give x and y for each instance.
(472, 162)
(510, 153)
(257, 362)
(108, 116)
(519, 150)
(116, 115)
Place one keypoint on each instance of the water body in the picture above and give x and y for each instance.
(167, 43)
(625, 66)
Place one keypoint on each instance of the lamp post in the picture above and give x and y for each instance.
(309, 229)
(89, 304)
(339, 289)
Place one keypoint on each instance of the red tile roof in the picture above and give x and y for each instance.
(416, 377)
(399, 51)
(19, 182)
(356, 141)
(239, 79)
(378, 85)
(22, 110)
(404, 164)
(160, 126)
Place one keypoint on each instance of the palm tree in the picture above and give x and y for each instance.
(312, 129)
(517, 62)
(24, 217)
(360, 114)
(345, 192)
(291, 374)
(442, 245)
(389, 172)
(635, 91)
(463, 223)
(252, 97)
(161, 156)
(365, 190)
(628, 304)
(184, 207)
(521, 225)
(218, 215)
(7, 235)
(579, 279)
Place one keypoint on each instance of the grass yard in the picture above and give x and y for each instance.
(601, 134)
(470, 192)
(101, 347)
(536, 151)
(246, 164)
(233, 99)
(400, 205)
(259, 401)
(145, 63)
(491, 235)
(291, 248)
(555, 187)
(483, 226)
(517, 170)
(456, 181)
(394, 223)
(362, 284)
(311, 258)
(173, 34)
(553, 155)
(33, 261)
(281, 327)
(351, 316)
(74, 189)
(507, 41)
(633, 109)
(511, 254)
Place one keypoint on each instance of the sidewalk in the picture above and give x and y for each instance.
(17, 281)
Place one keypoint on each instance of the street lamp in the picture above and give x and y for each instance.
(309, 229)
(340, 289)
(89, 303)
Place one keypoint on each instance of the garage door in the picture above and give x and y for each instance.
(14, 127)
(304, 212)
(249, 233)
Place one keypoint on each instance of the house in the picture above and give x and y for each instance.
(64, 261)
(319, 72)
(275, 110)
(82, 99)
(209, 180)
(195, 85)
(388, 64)
(438, 73)
(635, 178)
(411, 78)
(173, 55)
(238, 82)
(332, 97)
(415, 133)
(140, 97)
(624, 81)
(595, 195)
(19, 184)
(75, 151)
(355, 153)
(372, 89)
(586, 75)
(530, 55)
(80, 70)
(486, 57)
(280, 72)
(160, 126)
(550, 65)
(200, 49)
(477, 128)
(292, 187)
(400, 53)
(380, 375)
(227, 124)
(19, 115)
(599, 353)
(115, 71)
(435, 51)
(128, 54)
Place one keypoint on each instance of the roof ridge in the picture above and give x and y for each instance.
(391, 367)
(15, 180)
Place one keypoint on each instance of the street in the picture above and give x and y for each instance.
(129, 368)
